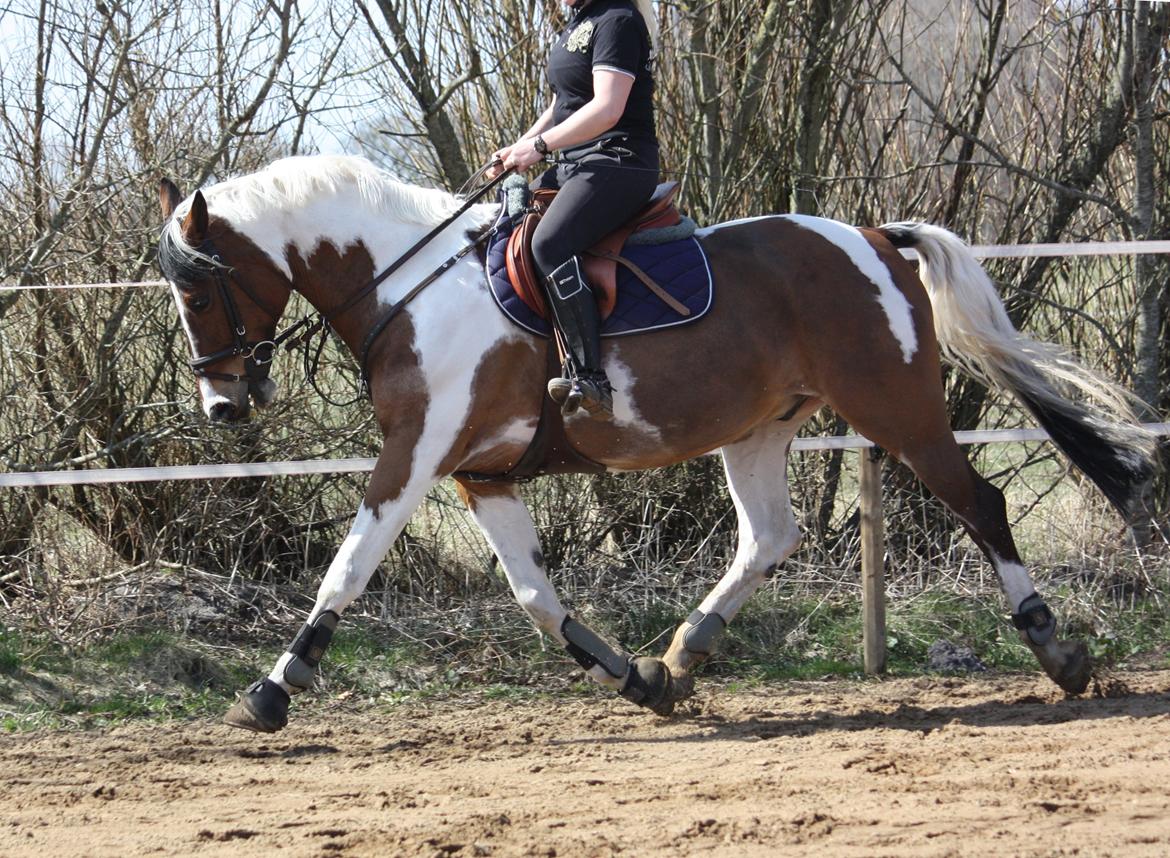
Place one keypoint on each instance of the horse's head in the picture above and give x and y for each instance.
(230, 296)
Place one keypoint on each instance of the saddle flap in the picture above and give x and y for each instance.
(521, 269)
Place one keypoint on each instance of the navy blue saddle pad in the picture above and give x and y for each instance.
(679, 267)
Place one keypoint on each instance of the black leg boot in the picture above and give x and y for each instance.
(584, 384)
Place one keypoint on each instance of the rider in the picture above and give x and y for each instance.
(601, 118)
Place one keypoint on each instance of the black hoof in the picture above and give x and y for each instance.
(263, 708)
(1067, 663)
(650, 684)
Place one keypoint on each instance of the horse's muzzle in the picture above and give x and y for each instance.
(226, 411)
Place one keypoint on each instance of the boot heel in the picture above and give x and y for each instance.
(572, 402)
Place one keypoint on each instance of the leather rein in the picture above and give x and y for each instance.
(258, 354)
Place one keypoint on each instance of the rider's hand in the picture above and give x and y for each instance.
(497, 163)
(520, 155)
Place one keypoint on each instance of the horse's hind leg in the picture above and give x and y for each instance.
(926, 444)
(504, 519)
(758, 481)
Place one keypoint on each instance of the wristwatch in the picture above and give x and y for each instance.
(539, 145)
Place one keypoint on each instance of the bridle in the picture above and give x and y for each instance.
(258, 354)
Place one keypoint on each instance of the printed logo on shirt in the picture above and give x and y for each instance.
(579, 39)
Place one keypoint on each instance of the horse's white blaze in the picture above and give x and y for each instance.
(867, 261)
(208, 395)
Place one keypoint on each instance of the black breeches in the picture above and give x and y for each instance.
(596, 197)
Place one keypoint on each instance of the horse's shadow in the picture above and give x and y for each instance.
(1022, 711)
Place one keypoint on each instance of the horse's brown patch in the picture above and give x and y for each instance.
(712, 383)
(319, 277)
(400, 403)
(400, 398)
(507, 386)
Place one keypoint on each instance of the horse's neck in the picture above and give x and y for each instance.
(333, 249)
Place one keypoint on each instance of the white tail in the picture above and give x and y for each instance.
(1088, 416)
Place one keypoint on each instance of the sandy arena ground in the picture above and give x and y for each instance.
(1001, 766)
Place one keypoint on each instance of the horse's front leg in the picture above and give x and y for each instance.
(507, 524)
(263, 707)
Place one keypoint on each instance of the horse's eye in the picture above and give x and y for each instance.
(198, 302)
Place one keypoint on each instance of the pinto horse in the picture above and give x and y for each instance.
(811, 313)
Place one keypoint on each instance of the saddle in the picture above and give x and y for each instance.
(599, 263)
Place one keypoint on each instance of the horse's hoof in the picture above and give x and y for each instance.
(652, 685)
(263, 708)
(1067, 663)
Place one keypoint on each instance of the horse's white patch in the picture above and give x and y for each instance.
(506, 523)
(304, 201)
(867, 261)
(757, 479)
(625, 410)
(1015, 581)
(515, 432)
(367, 542)
(455, 324)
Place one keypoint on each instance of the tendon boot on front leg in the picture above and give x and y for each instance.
(584, 383)
(644, 681)
(1067, 663)
(263, 707)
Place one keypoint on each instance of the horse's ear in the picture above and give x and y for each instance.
(195, 224)
(169, 197)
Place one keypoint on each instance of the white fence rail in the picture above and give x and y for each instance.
(237, 470)
(981, 251)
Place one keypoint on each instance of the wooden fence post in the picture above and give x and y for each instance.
(873, 551)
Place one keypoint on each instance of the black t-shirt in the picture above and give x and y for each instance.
(610, 35)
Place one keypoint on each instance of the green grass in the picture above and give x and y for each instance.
(154, 675)
(165, 676)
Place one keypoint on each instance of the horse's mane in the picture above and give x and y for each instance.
(291, 183)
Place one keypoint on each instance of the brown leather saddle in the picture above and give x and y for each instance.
(599, 263)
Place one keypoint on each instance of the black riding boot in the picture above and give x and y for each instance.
(575, 314)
